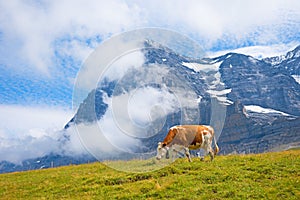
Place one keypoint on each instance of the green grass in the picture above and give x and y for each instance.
(261, 176)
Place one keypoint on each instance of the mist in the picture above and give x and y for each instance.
(34, 131)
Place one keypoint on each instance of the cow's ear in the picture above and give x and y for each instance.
(164, 144)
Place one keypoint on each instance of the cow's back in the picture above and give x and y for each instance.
(187, 135)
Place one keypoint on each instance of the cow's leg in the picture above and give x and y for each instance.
(187, 153)
(199, 156)
(209, 149)
(206, 151)
(173, 152)
(168, 154)
(211, 153)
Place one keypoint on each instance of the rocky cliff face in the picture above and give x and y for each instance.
(246, 131)
(234, 81)
(289, 63)
(255, 82)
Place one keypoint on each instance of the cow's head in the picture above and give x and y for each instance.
(162, 150)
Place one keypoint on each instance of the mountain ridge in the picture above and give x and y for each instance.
(230, 82)
(239, 79)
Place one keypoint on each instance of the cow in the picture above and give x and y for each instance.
(186, 137)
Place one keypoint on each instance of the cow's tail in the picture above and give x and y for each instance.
(216, 146)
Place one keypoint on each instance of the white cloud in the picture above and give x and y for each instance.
(32, 31)
(147, 104)
(236, 21)
(131, 60)
(129, 117)
(259, 51)
(16, 117)
(134, 112)
(74, 146)
(38, 25)
(16, 149)
(30, 132)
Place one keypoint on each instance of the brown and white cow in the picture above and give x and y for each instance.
(185, 137)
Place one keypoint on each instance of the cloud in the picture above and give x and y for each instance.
(238, 22)
(134, 112)
(130, 116)
(18, 117)
(30, 132)
(33, 33)
(147, 104)
(37, 26)
(119, 67)
(259, 51)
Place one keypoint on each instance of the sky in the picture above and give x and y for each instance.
(44, 43)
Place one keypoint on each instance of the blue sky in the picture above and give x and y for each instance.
(43, 43)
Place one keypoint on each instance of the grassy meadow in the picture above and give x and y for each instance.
(260, 176)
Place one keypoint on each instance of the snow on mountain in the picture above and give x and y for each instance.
(297, 78)
(211, 75)
(258, 52)
(289, 57)
(201, 67)
(259, 109)
(220, 95)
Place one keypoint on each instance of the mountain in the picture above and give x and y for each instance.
(256, 82)
(253, 104)
(235, 81)
(253, 129)
(47, 161)
(289, 62)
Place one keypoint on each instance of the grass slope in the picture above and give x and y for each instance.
(262, 176)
